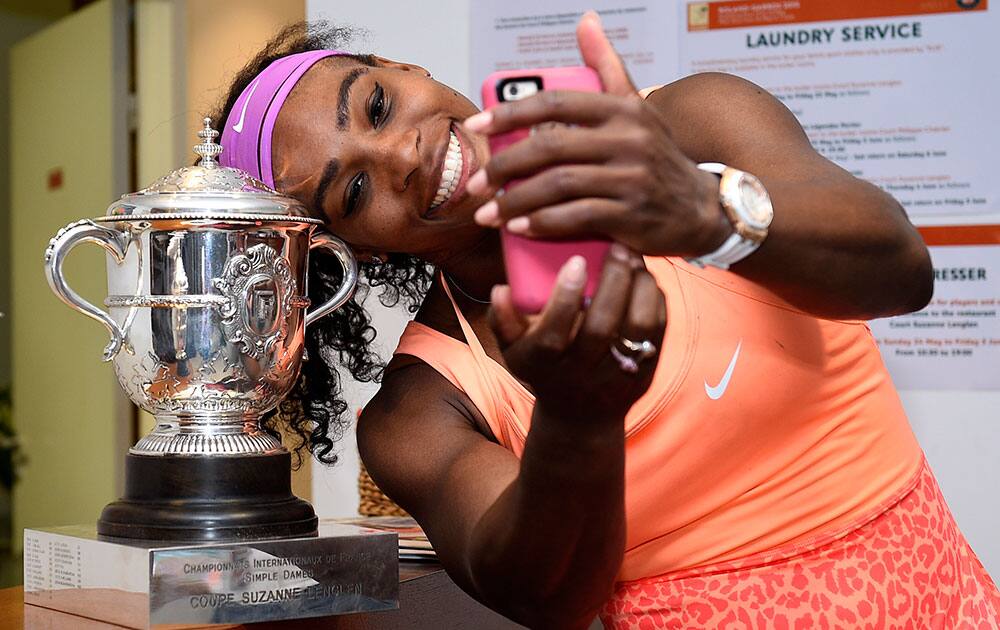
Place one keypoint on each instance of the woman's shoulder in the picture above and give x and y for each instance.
(414, 394)
(701, 87)
(412, 387)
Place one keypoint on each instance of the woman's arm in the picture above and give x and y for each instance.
(838, 246)
(540, 539)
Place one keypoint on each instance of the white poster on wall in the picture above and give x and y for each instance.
(902, 93)
(954, 342)
(530, 34)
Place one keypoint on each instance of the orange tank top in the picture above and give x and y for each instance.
(763, 427)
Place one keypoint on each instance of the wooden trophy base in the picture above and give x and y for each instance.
(208, 499)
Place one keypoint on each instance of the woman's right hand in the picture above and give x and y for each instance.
(564, 354)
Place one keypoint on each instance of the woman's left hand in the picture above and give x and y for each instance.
(616, 173)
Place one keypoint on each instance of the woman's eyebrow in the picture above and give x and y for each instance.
(329, 174)
(343, 101)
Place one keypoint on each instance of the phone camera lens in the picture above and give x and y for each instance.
(518, 88)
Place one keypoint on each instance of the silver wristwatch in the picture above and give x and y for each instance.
(748, 208)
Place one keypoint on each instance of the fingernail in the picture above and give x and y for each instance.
(477, 183)
(573, 274)
(488, 214)
(620, 252)
(478, 122)
(594, 15)
(495, 293)
(518, 225)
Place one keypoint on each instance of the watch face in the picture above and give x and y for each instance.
(756, 202)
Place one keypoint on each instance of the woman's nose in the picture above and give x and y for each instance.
(404, 158)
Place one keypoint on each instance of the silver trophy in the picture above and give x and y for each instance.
(206, 311)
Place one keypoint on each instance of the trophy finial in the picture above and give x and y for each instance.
(207, 148)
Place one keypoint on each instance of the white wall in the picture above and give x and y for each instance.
(959, 431)
(434, 35)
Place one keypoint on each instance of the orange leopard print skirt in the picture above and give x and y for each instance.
(905, 566)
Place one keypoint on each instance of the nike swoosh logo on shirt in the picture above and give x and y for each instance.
(238, 127)
(716, 392)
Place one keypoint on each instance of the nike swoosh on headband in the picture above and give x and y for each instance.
(238, 127)
(716, 392)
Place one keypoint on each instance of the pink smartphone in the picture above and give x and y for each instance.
(532, 265)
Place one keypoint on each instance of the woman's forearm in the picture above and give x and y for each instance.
(548, 551)
(838, 246)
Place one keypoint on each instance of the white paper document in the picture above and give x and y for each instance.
(520, 34)
(905, 94)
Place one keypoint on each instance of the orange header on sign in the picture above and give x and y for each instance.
(703, 16)
(961, 234)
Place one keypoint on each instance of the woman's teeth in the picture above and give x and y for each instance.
(452, 171)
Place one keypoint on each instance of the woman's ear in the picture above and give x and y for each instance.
(400, 65)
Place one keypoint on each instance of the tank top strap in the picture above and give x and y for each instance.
(470, 336)
(493, 374)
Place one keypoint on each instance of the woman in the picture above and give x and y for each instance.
(759, 469)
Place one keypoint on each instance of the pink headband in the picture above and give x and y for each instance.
(246, 138)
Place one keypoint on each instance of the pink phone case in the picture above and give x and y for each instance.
(532, 265)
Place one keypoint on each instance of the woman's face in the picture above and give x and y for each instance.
(373, 151)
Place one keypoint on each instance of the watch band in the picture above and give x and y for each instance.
(733, 250)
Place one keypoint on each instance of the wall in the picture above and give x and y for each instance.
(959, 433)
(163, 140)
(68, 95)
(17, 20)
(220, 37)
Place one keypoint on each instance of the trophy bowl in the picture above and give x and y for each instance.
(206, 307)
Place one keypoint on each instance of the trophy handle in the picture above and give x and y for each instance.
(65, 240)
(343, 253)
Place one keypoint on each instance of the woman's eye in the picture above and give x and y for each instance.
(377, 106)
(355, 189)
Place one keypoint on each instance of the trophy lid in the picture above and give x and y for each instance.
(208, 190)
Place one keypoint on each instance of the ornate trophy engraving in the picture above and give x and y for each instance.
(206, 312)
(258, 287)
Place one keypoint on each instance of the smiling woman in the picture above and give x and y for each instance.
(765, 442)
(316, 411)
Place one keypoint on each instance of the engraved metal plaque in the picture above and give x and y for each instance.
(345, 569)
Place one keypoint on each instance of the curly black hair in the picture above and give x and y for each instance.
(315, 412)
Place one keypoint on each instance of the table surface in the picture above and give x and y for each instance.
(427, 599)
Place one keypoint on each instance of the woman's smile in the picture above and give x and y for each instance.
(455, 166)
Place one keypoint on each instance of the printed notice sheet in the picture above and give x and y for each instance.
(953, 343)
(903, 93)
(516, 34)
